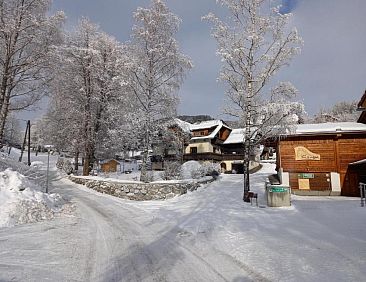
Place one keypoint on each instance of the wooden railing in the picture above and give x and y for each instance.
(212, 156)
(202, 157)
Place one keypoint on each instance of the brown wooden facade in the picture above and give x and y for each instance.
(362, 107)
(109, 166)
(336, 153)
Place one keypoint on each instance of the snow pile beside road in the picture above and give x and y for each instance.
(37, 164)
(20, 202)
(196, 170)
(189, 169)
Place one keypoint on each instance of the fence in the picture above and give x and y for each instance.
(363, 193)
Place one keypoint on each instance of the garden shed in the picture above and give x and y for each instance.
(109, 165)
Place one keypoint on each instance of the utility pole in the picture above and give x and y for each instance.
(29, 129)
(23, 145)
(48, 169)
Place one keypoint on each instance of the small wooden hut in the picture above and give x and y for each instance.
(109, 166)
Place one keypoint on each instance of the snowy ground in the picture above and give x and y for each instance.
(22, 197)
(205, 235)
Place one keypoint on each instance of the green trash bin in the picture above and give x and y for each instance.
(278, 195)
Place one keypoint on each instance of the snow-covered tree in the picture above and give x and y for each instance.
(340, 112)
(255, 42)
(90, 68)
(12, 131)
(158, 71)
(27, 35)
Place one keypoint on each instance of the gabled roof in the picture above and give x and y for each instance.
(362, 117)
(328, 128)
(185, 126)
(236, 136)
(107, 161)
(360, 162)
(362, 101)
(207, 125)
(362, 107)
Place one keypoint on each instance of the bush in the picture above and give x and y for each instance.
(195, 170)
(211, 169)
(191, 169)
(60, 163)
(65, 165)
(172, 171)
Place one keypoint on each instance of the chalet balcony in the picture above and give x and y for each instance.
(202, 157)
(212, 157)
(233, 157)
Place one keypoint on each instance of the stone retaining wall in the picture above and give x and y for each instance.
(140, 191)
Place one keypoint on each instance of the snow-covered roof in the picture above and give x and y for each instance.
(208, 124)
(185, 126)
(107, 161)
(359, 162)
(328, 128)
(236, 136)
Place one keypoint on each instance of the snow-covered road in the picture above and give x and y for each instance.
(207, 235)
(109, 240)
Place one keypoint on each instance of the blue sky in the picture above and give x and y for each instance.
(289, 5)
(330, 68)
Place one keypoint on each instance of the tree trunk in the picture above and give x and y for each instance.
(143, 176)
(246, 173)
(86, 167)
(76, 161)
(88, 159)
(3, 116)
(247, 144)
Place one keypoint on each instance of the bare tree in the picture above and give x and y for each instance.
(158, 72)
(254, 44)
(27, 35)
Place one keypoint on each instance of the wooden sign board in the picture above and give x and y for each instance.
(306, 175)
(304, 154)
(304, 184)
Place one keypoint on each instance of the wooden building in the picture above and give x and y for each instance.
(109, 165)
(206, 142)
(362, 108)
(323, 159)
(215, 141)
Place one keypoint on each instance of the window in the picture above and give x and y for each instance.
(193, 150)
(200, 133)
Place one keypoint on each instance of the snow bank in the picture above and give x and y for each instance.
(32, 172)
(37, 164)
(20, 202)
(189, 168)
(195, 170)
